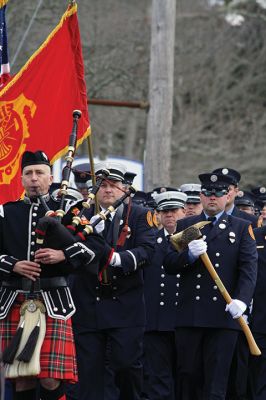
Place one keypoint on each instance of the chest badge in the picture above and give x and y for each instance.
(232, 237)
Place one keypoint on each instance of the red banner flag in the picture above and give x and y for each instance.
(36, 105)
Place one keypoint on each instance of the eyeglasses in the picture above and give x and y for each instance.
(214, 192)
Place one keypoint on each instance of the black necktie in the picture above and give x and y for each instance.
(167, 237)
(212, 220)
(108, 223)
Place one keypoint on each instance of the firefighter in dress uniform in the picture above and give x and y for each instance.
(193, 203)
(205, 334)
(238, 377)
(230, 208)
(257, 365)
(33, 285)
(110, 308)
(245, 201)
(82, 178)
(160, 291)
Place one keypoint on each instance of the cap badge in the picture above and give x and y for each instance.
(214, 178)
(262, 189)
(44, 156)
(240, 193)
(225, 171)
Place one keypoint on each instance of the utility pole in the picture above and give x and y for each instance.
(161, 85)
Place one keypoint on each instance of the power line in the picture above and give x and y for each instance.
(26, 31)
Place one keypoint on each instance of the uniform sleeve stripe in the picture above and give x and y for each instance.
(134, 259)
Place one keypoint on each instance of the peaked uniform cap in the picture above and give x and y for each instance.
(231, 173)
(116, 170)
(170, 200)
(163, 189)
(215, 181)
(245, 199)
(259, 192)
(82, 172)
(129, 177)
(82, 175)
(34, 158)
(140, 197)
(192, 191)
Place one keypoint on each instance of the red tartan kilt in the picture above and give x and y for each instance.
(58, 353)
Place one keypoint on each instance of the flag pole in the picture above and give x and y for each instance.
(90, 152)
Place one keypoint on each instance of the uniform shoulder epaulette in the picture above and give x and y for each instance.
(8, 203)
(3, 206)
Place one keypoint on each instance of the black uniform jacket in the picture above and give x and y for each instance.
(246, 216)
(232, 250)
(258, 316)
(160, 289)
(18, 222)
(120, 303)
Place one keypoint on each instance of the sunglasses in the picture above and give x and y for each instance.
(214, 192)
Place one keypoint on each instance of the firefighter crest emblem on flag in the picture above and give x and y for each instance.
(14, 117)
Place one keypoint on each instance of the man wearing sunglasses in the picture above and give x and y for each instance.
(233, 190)
(206, 329)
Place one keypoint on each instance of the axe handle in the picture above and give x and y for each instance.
(254, 349)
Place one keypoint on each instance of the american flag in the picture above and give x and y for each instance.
(5, 68)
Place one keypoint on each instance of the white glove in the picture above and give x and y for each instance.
(236, 308)
(197, 247)
(100, 226)
(115, 260)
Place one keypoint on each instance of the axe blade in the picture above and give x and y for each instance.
(181, 239)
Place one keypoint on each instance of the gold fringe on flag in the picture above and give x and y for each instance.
(3, 3)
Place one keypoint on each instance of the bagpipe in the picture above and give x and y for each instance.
(22, 357)
(55, 230)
